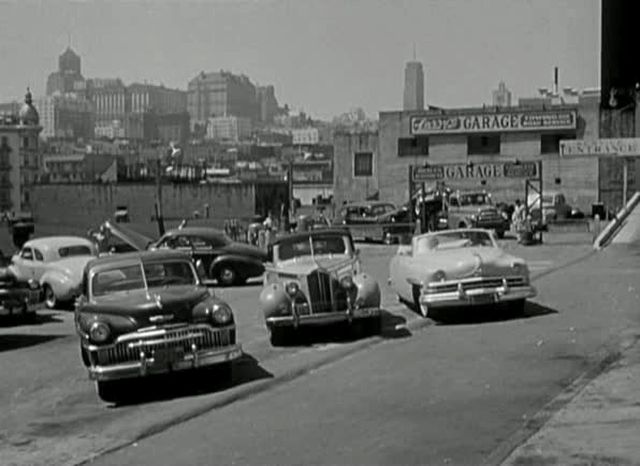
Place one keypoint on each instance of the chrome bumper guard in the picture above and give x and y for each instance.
(160, 351)
(322, 318)
(477, 296)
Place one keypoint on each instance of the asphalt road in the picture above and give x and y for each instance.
(452, 392)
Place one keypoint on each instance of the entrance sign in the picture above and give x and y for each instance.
(614, 146)
(493, 122)
(463, 171)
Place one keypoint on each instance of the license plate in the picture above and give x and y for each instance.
(483, 299)
(165, 356)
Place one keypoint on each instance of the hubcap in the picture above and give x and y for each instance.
(227, 275)
(50, 299)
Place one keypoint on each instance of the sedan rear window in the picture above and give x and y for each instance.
(75, 250)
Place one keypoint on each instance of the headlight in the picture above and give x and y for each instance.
(474, 217)
(222, 314)
(346, 282)
(99, 332)
(292, 288)
(439, 276)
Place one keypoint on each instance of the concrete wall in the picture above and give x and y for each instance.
(74, 208)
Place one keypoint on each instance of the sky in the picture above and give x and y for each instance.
(324, 57)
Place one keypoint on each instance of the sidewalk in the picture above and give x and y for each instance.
(599, 426)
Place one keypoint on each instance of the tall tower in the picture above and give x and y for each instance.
(413, 86)
(501, 96)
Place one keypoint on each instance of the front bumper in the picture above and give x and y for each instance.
(323, 318)
(18, 303)
(148, 366)
(477, 297)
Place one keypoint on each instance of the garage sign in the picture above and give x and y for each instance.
(465, 171)
(493, 122)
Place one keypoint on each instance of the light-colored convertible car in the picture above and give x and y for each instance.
(56, 262)
(314, 278)
(463, 267)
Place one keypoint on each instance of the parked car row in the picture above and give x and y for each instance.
(147, 310)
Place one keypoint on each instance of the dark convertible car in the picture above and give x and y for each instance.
(224, 260)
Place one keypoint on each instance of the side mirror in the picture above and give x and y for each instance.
(357, 252)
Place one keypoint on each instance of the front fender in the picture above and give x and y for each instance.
(368, 290)
(240, 261)
(60, 283)
(274, 301)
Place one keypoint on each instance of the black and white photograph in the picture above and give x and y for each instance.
(319, 232)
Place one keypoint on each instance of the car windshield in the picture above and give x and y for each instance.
(138, 277)
(75, 250)
(453, 240)
(474, 199)
(312, 246)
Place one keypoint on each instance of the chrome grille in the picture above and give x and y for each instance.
(132, 345)
(474, 284)
(320, 291)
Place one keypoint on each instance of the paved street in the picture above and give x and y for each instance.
(416, 397)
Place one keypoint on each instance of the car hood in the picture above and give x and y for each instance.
(134, 239)
(465, 262)
(175, 303)
(305, 265)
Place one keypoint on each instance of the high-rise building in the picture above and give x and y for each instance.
(501, 97)
(229, 128)
(221, 94)
(68, 78)
(19, 157)
(67, 116)
(413, 86)
(268, 103)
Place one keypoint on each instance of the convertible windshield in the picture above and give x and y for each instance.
(310, 245)
(140, 276)
(453, 240)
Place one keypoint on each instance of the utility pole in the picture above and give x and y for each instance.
(159, 215)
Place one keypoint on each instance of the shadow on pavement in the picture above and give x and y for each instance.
(391, 326)
(488, 314)
(192, 383)
(10, 342)
(40, 318)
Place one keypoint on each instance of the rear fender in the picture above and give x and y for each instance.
(236, 260)
(59, 282)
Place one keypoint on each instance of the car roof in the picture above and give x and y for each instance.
(315, 233)
(54, 242)
(195, 231)
(134, 257)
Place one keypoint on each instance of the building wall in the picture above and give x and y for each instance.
(346, 186)
(576, 178)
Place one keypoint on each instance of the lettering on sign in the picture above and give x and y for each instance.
(475, 171)
(613, 146)
(498, 122)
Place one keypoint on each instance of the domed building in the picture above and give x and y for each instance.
(19, 157)
(28, 114)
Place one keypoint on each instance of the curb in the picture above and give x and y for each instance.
(612, 354)
(246, 391)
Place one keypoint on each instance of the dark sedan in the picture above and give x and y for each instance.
(224, 260)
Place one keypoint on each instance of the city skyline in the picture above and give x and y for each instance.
(322, 57)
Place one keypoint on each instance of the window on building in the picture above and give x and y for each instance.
(25, 143)
(550, 143)
(483, 144)
(363, 164)
(411, 147)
